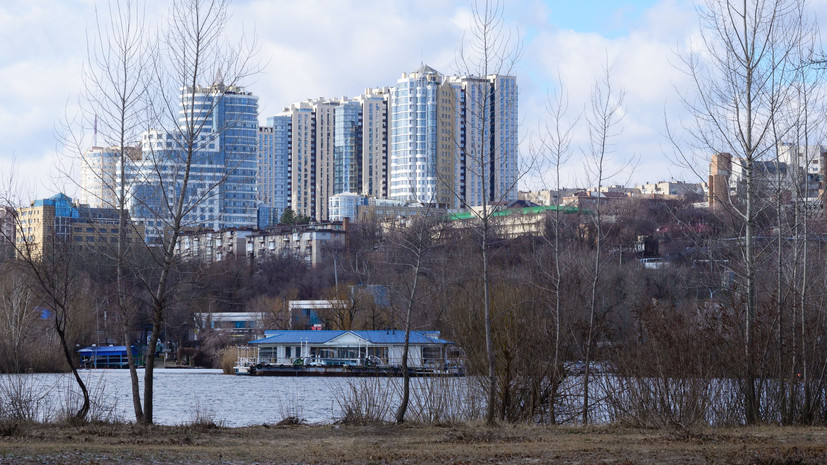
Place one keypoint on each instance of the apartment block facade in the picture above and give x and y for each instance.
(453, 139)
(219, 124)
(307, 243)
(59, 221)
(329, 146)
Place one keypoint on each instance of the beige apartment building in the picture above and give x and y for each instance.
(374, 141)
(58, 220)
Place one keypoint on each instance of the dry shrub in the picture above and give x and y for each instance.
(24, 398)
(445, 400)
(102, 406)
(202, 418)
(227, 358)
(665, 378)
(365, 401)
(291, 412)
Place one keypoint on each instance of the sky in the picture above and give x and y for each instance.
(327, 48)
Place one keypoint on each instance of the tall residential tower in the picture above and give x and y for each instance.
(219, 124)
(453, 138)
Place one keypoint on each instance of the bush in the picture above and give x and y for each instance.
(227, 358)
(365, 401)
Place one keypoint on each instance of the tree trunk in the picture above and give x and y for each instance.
(149, 360)
(81, 414)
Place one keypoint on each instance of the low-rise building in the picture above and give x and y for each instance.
(547, 196)
(515, 221)
(239, 326)
(345, 205)
(307, 242)
(284, 347)
(674, 189)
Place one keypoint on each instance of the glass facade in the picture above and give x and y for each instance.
(347, 148)
(273, 183)
(217, 138)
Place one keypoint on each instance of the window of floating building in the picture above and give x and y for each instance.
(431, 354)
(379, 352)
(267, 354)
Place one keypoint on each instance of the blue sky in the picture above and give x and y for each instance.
(610, 19)
(330, 48)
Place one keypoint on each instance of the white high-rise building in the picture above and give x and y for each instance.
(453, 138)
(422, 144)
(99, 176)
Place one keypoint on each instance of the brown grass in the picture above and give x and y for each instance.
(103, 443)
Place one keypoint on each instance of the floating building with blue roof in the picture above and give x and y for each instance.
(351, 348)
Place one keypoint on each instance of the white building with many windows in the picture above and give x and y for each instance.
(453, 139)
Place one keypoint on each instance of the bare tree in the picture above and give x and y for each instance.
(51, 267)
(17, 318)
(604, 125)
(192, 60)
(556, 139)
(490, 50)
(737, 93)
(112, 103)
(409, 263)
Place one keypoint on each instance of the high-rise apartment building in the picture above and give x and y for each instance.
(324, 138)
(274, 165)
(98, 176)
(431, 139)
(100, 173)
(331, 146)
(230, 116)
(421, 155)
(374, 169)
(311, 146)
(220, 124)
(453, 138)
(347, 147)
(487, 138)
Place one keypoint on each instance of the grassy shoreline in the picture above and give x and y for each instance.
(389, 444)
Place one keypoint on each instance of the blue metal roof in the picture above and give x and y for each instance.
(373, 336)
(104, 350)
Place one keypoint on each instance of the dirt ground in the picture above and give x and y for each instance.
(464, 444)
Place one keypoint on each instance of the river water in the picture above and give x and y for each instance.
(187, 395)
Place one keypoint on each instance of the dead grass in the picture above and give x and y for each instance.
(130, 444)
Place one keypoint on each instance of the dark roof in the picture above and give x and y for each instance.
(372, 336)
(522, 204)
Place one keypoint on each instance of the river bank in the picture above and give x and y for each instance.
(388, 444)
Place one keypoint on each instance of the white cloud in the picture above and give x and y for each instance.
(325, 48)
